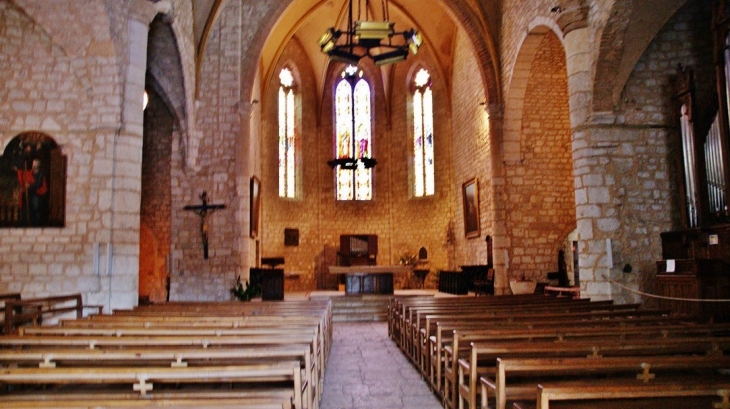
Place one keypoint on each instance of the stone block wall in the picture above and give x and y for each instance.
(71, 91)
(472, 150)
(218, 126)
(539, 187)
(403, 223)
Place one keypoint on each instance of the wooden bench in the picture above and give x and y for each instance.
(416, 320)
(483, 356)
(449, 334)
(444, 363)
(3, 299)
(240, 402)
(422, 329)
(144, 379)
(431, 348)
(34, 310)
(172, 357)
(190, 334)
(401, 312)
(532, 371)
(610, 392)
(573, 292)
(92, 401)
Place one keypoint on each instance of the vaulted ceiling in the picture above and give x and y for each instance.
(306, 20)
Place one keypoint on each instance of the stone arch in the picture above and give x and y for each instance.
(515, 96)
(629, 29)
(483, 42)
(538, 148)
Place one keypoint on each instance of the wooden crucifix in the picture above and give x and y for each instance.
(203, 211)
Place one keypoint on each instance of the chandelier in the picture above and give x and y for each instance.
(366, 38)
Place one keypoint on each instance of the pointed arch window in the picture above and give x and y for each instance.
(287, 135)
(423, 153)
(353, 135)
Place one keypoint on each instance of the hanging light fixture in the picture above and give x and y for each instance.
(367, 38)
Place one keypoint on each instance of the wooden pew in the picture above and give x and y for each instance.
(537, 370)
(415, 320)
(485, 318)
(449, 333)
(3, 299)
(610, 393)
(197, 403)
(486, 354)
(186, 334)
(34, 310)
(445, 360)
(234, 311)
(172, 357)
(421, 326)
(144, 379)
(405, 307)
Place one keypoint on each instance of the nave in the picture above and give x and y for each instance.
(367, 370)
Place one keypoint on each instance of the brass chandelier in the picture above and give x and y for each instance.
(366, 38)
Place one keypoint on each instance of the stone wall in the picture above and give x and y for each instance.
(218, 125)
(472, 150)
(71, 90)
(155, 208)
(540, 185)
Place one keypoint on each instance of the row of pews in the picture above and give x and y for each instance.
(258, 355)
(17, 312)
(538, 351)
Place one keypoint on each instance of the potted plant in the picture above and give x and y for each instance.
(245, 294)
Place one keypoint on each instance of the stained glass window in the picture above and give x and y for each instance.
(287, 135)
(423, 158)
(353, 135)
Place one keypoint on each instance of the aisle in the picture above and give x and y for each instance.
(367, 370)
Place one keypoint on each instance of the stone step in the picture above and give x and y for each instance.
(360, 308)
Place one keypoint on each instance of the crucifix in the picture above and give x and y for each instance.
(203, 211)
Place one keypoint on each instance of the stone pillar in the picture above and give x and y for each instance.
(125, 179)
(500, 238)
(595, 210)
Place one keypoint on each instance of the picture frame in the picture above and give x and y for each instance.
(32, 182)
(255, 206)
(470, 194)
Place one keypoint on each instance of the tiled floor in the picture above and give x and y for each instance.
(366, 370)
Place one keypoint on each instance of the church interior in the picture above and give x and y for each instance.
(554, 133)
(163, 152)
(168, 158)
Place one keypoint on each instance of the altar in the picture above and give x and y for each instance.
(369, 279)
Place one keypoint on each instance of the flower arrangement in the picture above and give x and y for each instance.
(408, 259)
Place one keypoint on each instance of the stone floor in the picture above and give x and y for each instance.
(367, 370)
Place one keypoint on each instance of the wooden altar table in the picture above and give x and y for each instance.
(369, 279)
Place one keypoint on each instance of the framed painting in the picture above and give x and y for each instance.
(32, 182)
(255, 206)
(470, 192)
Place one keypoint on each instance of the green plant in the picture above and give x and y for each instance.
(245, 294)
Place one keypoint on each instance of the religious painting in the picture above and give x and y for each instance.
(291, 237)
(470, 192)
(255, 205)
(32, 182)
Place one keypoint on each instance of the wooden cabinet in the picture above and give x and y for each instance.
(693, 286)
(271, 281)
